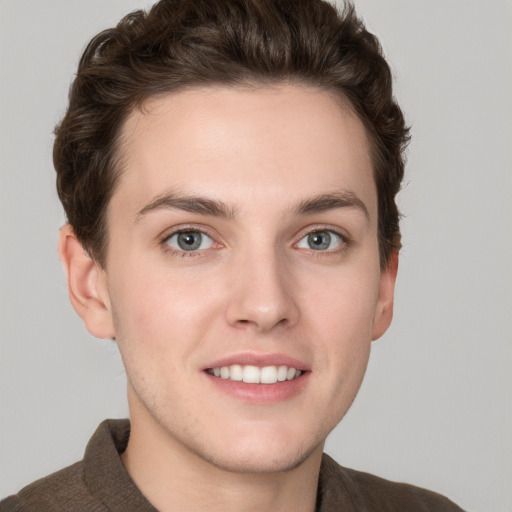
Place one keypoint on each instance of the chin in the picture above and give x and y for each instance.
(258, 462)
(269, 452)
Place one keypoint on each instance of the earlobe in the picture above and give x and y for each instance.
(384, 309)
(87, 285)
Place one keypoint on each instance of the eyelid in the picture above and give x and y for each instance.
(204, 240)
(345, 239)
(184, 228)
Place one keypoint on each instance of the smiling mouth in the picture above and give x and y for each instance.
(255, 374)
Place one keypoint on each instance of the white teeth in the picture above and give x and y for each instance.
(282, 373)
(251, 374)
(268, 375)
(236, 372)
(291, 373)
(256, 375)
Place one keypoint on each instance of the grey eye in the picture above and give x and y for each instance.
(190, 241)
(320, 241)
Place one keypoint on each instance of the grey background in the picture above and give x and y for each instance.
(436, 405)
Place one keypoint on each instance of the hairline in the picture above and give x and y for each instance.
(118, 163)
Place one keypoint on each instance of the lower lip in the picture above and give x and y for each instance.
(260, 393)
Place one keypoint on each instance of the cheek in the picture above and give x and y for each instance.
(160, 308)
(340, 314)
(345, 302)
(343, 321)
(151, 325)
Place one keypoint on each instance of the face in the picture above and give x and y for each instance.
(242, 249)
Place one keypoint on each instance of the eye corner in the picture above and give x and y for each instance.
(324, 240)
(187, 241)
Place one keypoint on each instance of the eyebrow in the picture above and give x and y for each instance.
(326, 202)
(192, 204)
(216, 208)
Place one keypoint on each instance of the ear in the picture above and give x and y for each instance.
(384, 309)
(87, 285)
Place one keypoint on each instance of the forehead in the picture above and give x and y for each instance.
(248, 142)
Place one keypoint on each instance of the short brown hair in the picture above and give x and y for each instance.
(184, 43)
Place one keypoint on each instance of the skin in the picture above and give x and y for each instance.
(255, 287)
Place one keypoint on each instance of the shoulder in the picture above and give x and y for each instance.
(63, 490)
(98, 483)
(400, 496)
(370, 493)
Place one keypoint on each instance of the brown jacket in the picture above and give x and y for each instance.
(99, 483)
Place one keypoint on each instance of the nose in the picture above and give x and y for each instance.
(263, 295)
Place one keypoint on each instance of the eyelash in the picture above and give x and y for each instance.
(345, 242)
(182, 253)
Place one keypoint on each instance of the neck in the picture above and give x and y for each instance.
(174, 478)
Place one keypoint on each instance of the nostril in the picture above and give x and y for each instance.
(248, 308)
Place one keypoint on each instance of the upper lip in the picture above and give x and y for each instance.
(248, 358)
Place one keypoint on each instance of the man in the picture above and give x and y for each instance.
(228, 171)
